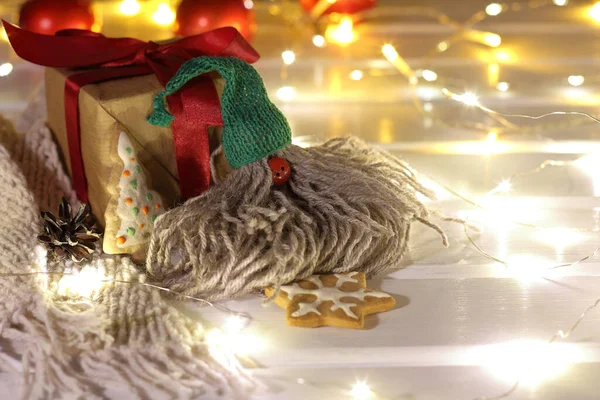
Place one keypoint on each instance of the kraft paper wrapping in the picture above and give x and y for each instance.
(125, 102)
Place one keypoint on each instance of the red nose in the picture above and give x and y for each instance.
(280, 169)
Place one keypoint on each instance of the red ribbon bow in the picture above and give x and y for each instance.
(195, 107)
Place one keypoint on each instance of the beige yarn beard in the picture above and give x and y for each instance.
(347, 207)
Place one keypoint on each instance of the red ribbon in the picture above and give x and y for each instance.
(195, 107)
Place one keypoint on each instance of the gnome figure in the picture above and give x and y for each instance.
(284, 212)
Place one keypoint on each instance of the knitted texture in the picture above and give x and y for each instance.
(117, 340)
(253, 127)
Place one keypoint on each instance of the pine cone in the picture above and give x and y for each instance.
(68, 236)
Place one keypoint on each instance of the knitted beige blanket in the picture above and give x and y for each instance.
(117, 338)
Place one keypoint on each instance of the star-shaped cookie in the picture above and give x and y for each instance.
(340, 300)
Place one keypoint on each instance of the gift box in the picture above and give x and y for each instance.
(100, 92)
(105, 109)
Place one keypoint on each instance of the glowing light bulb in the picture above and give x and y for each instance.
(529, 361)
(504, 186)
(249, 4)
(361, 391)
(576, 80)
(389, 52)
(560, 3)
(469, 99)
(288, 57)
(235, 324)
(342, 33)
(429, 75)
(6, 69)
(286, 93)
(83, 283)
(356, 75)
(318, 40)
(595, 12)
(493, 9)
(503, 86)
(442, 46)
(129, 7)
(163, 15)
(492, 39)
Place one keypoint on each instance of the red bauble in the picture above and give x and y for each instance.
(194, 17)
(50, 16)
(341, 6)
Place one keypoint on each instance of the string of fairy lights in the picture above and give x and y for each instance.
(340, 30)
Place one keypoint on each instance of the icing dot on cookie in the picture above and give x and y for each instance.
(149, 196)
(133, 183)
(145, 209)
(126, 173)
(121, 240)
(138, 169)
(128, 200)
(129, 150)
(153, 218)
(131, 231)
(157, 206)
(135, 211)
(142, 226)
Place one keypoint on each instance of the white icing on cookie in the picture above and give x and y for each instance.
(138, 206)
(333, 294)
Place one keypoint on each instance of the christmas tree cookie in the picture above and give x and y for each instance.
(136, 207)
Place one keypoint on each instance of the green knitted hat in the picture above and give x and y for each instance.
(253, 127)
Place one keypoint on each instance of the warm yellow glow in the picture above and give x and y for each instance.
(241, 344)
(487, 38)
(318, 40)
(163, 15)
(503, 86)
(386, 130)
(468, 98)
(559, 238)
(493, 74)
(83, 283)
(491, 144)
(6, 69)
(288, 57)
(595, 12)
(531, 362)
(429, 75)
(427, 107)
(342, 33)
(391, 54)
(503, 56)
(235, 324)
(576, 80)
(442, 46)
(3, 35)
(286, 93)
(356, 75)
(361, 391)
(129, 7)
(504, 186)
(493, 9)
(526, 268)
(492, 39)
(560, 2)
